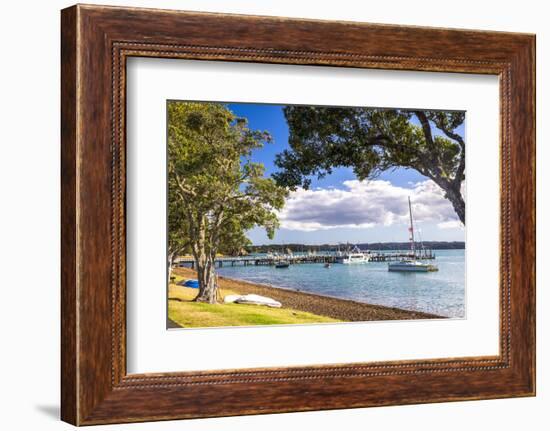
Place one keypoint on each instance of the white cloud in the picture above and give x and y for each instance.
(451, 224)
(366, 204)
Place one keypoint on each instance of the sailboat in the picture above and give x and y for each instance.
(411, 265)
(282, 262)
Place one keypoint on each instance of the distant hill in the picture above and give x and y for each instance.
(434, 245)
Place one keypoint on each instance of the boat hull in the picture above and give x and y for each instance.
(412, 268)
(353, 259)
(353, 262)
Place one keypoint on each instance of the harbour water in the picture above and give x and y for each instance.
(441, 292)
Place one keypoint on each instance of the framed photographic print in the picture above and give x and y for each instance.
(322, 214)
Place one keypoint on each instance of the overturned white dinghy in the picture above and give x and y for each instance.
(252, 299)
(229, 299)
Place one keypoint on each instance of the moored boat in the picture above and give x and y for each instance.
(411, 265)
(353, 256)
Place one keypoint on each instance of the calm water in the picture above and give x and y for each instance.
(441, 292)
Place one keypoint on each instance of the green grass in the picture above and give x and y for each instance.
(189, 314)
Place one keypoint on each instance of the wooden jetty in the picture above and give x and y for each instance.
(297, 259)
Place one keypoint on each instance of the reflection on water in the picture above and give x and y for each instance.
(441, 292)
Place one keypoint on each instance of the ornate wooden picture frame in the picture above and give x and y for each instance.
(96, 41)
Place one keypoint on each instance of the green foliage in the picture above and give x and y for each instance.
(216, 192)
(178, 235)
(370, 141)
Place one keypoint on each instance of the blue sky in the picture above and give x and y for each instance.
(338, 208)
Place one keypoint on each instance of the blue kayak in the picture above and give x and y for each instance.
(192, 283)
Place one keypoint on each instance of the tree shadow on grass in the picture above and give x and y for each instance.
(177, 299)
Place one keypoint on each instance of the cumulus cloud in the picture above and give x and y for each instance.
(366, 204)
(451, 224)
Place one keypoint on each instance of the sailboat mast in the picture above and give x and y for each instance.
(411, 229)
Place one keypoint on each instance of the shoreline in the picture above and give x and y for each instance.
(342, 309)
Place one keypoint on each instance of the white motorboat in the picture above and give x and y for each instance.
(352, 257)
(411, 265)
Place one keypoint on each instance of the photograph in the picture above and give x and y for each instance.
(298, 214)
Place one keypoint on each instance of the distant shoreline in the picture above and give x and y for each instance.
(342, 309)
(373, 247)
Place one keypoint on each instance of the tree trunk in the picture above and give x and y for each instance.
(204, 260)
(171, 257)
(208, 288)
(453, 194)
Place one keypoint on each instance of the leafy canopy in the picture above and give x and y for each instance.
(371, 140)
(213, 183)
